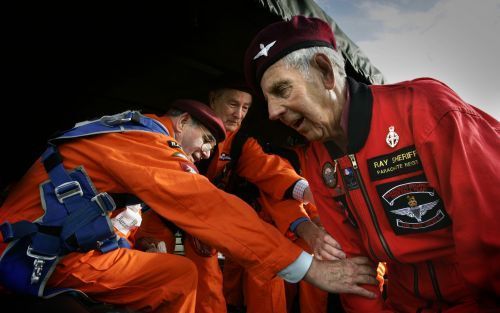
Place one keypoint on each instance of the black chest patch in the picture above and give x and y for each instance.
(225, 157)
(412, 206)
(399, 162)
(174, 144)
(350, 180)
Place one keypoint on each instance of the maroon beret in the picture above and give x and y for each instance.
(203, 114)
(281, 38)
(231, 81)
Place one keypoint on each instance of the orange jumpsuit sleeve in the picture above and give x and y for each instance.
(283, 212)
(143, 164)
(269, 172)
(153, 226)
(311, 210)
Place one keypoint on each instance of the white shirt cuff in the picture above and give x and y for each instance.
(298, 269)
(299, 188)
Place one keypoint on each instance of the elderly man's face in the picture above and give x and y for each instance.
(231, 106)
(298, 103)
(197, 142)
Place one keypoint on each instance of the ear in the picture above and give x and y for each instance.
(323, 64)
(211, 96)
(180, 122)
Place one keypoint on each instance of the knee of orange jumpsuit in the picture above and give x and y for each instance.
(180, 279)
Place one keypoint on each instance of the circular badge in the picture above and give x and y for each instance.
(329, 175)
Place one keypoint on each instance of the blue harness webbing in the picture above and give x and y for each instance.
(76, 216)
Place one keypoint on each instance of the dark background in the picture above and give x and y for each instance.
(67, 62)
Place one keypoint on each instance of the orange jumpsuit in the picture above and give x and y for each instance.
(272, 298)
(272, 175)
(143, 164)
(311, 298)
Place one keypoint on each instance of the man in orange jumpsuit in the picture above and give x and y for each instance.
(274, 177)
(404, 173)
(157, 167)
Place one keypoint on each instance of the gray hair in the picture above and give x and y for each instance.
(301, 60)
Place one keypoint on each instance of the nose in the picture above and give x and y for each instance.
(275, 110)
(205, 154)
(238, 112)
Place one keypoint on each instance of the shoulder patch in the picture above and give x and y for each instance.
(180, 155)
(188, 168)
(399, 162)
(174, 144)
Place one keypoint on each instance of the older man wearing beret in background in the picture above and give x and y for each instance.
(150, 157)
(404, 173)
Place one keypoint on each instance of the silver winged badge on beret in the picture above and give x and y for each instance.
(264, 50)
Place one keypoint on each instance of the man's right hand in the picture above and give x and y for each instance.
(322, 244)
(343, 276)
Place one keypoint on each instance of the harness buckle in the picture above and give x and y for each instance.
(38, 264)
(67, 190)
(105, 202)
(117, 119)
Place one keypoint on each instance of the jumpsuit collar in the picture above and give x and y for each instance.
(165, 121)
(360, 115)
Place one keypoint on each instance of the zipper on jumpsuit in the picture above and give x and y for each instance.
(430, 266)
(354, 163)
(435, 283)
(348, 195)
(370, 207)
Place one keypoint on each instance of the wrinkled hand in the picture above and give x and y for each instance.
(149, 244)
(343, 276)
(322, 244)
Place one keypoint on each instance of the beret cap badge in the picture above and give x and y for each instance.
(264, 50)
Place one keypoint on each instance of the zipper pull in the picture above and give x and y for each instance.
(353, 161)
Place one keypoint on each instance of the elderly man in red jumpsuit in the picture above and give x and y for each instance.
(408, 172)
(156, 167)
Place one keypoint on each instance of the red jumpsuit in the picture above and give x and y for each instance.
(417, 189)
(143, 164)
(273, 176)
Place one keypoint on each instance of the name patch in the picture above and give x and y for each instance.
(399, 162)
(174, 144)
(412, 206)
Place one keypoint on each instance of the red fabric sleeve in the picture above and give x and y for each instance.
(467, 179)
